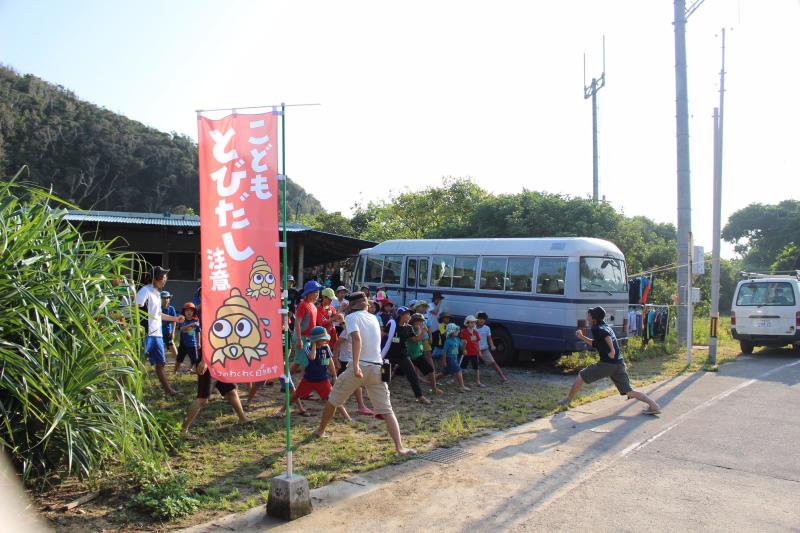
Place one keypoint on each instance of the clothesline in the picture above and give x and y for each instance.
(664, 268)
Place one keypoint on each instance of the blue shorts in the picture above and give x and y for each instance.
(300, 355)
(437, 352)
(452, 366)
(154, 350)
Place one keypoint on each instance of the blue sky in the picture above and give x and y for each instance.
(414, 91)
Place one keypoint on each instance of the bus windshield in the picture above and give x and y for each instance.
(602, 274)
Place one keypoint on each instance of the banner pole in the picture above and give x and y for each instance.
(285, 265)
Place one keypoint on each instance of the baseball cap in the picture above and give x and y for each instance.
(328, 293)
(402, 310)
(470, 318)
(166, 294)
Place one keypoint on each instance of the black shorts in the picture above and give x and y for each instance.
(190, 351)
(468, 361)
(204, 386)
(342, 367)
(423, 365)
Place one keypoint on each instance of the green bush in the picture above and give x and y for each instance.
(70, 374)
(162, 495)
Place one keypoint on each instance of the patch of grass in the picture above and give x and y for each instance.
(229, 467)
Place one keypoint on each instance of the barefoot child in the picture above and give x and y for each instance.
(228, 390)
(415, 345)
(611, 364)
(486, 344)
(451, 350)
(471, 339)
(315, 377)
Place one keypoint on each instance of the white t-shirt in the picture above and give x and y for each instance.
(432, 316)
(484, 332)
(150, 296)
(336, 304)
(369, 330)
(345, 348)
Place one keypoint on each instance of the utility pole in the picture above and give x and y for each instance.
(590, 91)
(715, 275)
(681, 15)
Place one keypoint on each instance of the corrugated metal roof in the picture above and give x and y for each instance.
(148, 219)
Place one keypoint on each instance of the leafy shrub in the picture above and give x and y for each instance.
(70, 377)
(162, 494)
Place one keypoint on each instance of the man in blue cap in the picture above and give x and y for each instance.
(611, 364)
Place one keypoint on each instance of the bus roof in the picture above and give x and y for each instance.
(562, 246)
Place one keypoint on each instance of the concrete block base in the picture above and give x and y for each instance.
(289, 497)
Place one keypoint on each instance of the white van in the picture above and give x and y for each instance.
(766, 312)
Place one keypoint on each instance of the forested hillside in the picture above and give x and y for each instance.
(98, 159)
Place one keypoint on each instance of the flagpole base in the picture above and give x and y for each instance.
(289, 497)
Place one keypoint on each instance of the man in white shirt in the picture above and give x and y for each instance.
(149, 301)
(340, 303)
(365, 370)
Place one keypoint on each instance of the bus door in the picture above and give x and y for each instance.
(416, 282)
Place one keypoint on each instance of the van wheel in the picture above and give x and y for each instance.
(747, 347)
(505, 353)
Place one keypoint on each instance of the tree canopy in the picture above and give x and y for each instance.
(98, 159)
(767, 236)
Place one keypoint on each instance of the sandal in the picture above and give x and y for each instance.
(423, 400)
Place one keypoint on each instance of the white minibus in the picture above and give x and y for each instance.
(536, 291)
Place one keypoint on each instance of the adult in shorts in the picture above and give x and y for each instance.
(149, 301)
(227, 390)
(611, 364)
(364, 371)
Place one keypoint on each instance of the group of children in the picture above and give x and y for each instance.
(419, 341)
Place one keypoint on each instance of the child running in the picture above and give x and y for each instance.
(190, 331)
(438, 338)
(315, 376)
(471, 339)
(415, 345)
(451, 350)
(486, 344)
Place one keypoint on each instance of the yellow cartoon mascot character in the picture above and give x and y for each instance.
(235, 332)
(262, 280)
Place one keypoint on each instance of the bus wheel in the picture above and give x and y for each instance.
(505, 353)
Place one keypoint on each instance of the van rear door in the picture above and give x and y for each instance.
(766, 308)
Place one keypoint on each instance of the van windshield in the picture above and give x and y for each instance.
(766, 293)
(602, 274)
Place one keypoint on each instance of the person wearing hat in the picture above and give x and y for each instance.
(487, 344)
(316, 373)
(305, 320)
(471, 339)
(167, 327)
(422, 307)
(611, 364)
(438, 338)
(327, 317)
(190, 331)
(386, 313)
(398, 331)
(416, 350)
(437, 307)
(340, 302)
(149, 301)
(364, 370)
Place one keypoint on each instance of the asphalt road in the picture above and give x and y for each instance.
(723, 456)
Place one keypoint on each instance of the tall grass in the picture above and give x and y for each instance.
(70, 377)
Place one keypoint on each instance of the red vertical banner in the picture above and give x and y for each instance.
(241, 292)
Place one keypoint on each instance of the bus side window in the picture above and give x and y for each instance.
(464, 272)
(442, 271)
(551, 274)
(520, 274)
(391, 269)
(374, 267)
